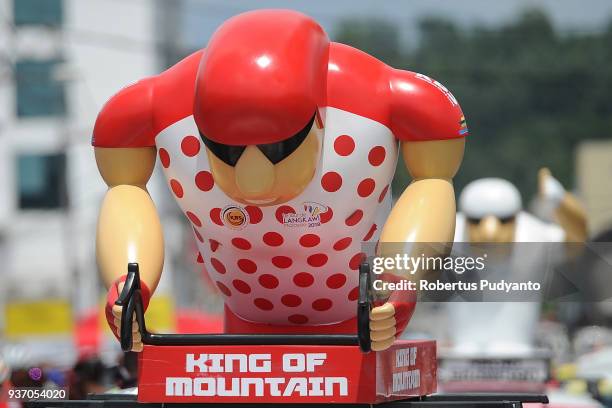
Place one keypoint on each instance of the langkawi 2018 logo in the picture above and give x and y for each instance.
(309, 217)
(235, 217)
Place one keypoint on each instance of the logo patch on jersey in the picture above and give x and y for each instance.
(309, 217)
(462, 126)
(234, 217)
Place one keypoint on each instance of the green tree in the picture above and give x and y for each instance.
(374, 36)
(529, 93)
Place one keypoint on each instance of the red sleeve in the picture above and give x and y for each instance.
(422, 109)
(137, 113)
(126, 120)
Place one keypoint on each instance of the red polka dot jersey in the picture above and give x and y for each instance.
(295, 263)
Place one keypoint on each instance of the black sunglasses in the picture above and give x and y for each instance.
(502, 220)
(275, 152)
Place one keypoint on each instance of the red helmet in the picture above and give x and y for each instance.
(261, 78)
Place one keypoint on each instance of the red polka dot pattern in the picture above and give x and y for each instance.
(291, 275)
(247, 266)
(177, 188)
(366, 187)
(381, 197)
(291, 300)
(263, 304)
(214, 245)
(343, 243)
(282, 262)
(354, 218)
(370, 232)
(218, 265)
(164, 157)
(198, 235)
(273, 239)
(283, 209)
(353, 294)
(356, 260)
(336, 281)
(268, 281)
(331, 181)
(344, 145)
(241, 243)
(317, 260)
(215, 216)
(303, 279)
(309, 240)
(204, 181)
(322, 305)
(224, 289)
(193, 218)
(241, 286)
(190, 146)
(298, 319)
(255, 214)
(326, 216)
(377, 156)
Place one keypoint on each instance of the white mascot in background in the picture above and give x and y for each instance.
(491, 211)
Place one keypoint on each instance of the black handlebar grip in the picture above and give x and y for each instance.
(129, 300)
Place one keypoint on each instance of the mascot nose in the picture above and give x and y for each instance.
(254, 173)
(489, 227)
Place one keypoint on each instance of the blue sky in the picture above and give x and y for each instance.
(203, 16)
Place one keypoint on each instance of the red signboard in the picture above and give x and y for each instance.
(281, 374)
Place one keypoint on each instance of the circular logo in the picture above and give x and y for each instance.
(234, 217)
(35, 373)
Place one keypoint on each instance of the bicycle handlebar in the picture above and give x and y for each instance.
(130, 300)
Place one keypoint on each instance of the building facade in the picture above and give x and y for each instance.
(60, 60)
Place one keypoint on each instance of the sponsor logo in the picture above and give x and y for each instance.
(309, 217)
(234, 217)
(462, 126)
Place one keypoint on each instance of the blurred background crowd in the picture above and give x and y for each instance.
(533, 79)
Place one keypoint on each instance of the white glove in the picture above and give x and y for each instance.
(551, 190)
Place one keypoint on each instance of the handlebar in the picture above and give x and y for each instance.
(130, 300)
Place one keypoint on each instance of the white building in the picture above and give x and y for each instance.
(60, 60)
